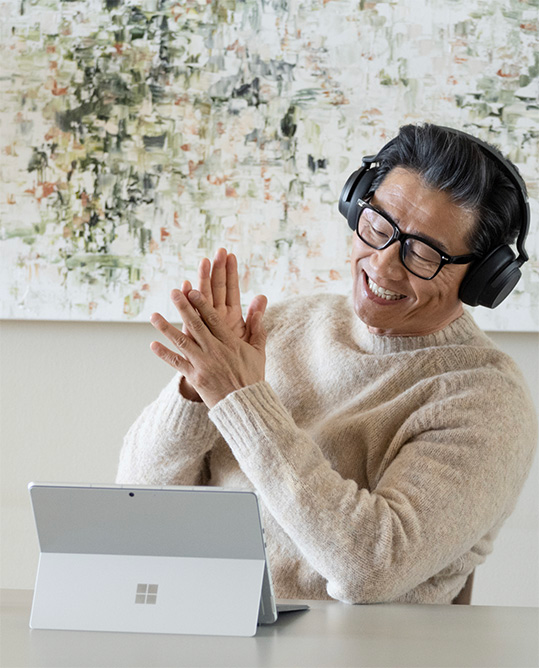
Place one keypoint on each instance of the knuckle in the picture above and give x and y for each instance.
(199, 379)
(196, 325)
(179, 338)
(213, 319)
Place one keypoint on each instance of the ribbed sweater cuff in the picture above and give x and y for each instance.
(185, 417)
(244, 417)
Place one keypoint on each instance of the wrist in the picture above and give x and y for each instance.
(188, 391)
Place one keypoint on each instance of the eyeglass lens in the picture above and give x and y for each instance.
(416, 256)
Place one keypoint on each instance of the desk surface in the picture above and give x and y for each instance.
(330, 634)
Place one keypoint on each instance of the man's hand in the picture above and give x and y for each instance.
(219, 285)
(212, 357)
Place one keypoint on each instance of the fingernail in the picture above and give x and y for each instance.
(194, 294)
(176, 295)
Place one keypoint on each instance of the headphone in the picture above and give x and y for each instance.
(489, 279)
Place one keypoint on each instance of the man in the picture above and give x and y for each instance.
(386, 435)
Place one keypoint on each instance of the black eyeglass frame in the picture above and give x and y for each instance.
(402, 237)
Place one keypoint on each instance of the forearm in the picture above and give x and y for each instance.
(309, 500)
(370, 545)
(168, 442)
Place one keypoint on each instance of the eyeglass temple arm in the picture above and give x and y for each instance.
(460, 259)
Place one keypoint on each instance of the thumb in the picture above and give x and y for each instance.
(257, 305)
(258, 334)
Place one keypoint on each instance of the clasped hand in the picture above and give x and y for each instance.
(219, 352)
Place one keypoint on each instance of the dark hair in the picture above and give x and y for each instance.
(451, 162)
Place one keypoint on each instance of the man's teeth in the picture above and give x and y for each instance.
(382, 292)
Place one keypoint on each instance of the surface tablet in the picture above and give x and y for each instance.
(150, 559)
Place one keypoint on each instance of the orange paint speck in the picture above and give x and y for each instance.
(506, 75)
(42, 190)
(56, 90)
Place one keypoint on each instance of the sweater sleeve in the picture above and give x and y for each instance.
(450, 482)
(168, 442)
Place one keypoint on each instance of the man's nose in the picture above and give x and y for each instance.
(387, 262)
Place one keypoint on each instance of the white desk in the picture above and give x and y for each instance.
(330, 634)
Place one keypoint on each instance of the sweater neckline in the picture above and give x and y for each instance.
(460, 330)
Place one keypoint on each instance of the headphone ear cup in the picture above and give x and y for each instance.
(356, 187)
(491, 279)
(345, 200)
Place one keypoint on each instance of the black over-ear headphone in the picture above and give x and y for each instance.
(489, 279)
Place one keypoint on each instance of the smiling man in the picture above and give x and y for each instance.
(386, 435)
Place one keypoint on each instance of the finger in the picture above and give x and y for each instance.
(233, 296)
(181, 340)
(218, 278)
(175, 360)
(211, 321)
(204, 279)
(186, 289)
(194, 325)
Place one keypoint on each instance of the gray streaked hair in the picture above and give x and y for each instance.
(453, 163)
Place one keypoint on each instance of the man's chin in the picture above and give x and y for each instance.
(378, 318)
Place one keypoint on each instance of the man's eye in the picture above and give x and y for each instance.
(418, 257)
(380, 232)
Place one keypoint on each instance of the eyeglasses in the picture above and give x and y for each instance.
(419, 256)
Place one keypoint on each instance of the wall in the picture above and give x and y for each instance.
(69, 391)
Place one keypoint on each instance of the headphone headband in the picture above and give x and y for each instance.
(513, 175)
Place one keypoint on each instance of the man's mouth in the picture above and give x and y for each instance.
(382, 292)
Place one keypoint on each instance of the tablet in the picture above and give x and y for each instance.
(150, 559)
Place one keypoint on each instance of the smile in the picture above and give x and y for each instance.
(382, 292)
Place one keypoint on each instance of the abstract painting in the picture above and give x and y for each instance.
(138, 136)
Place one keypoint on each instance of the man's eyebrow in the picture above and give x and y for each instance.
(435, 242)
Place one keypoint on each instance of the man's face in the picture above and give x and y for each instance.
(413, 306)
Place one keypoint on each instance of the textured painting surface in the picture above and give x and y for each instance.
(138, 137)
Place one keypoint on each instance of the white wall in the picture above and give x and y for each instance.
(69, 391)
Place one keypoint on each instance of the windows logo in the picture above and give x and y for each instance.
(146, 594)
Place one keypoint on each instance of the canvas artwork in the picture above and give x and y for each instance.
(138, 136)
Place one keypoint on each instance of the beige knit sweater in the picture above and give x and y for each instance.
(385, 465)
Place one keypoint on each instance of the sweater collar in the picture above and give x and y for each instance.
(457, 332)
